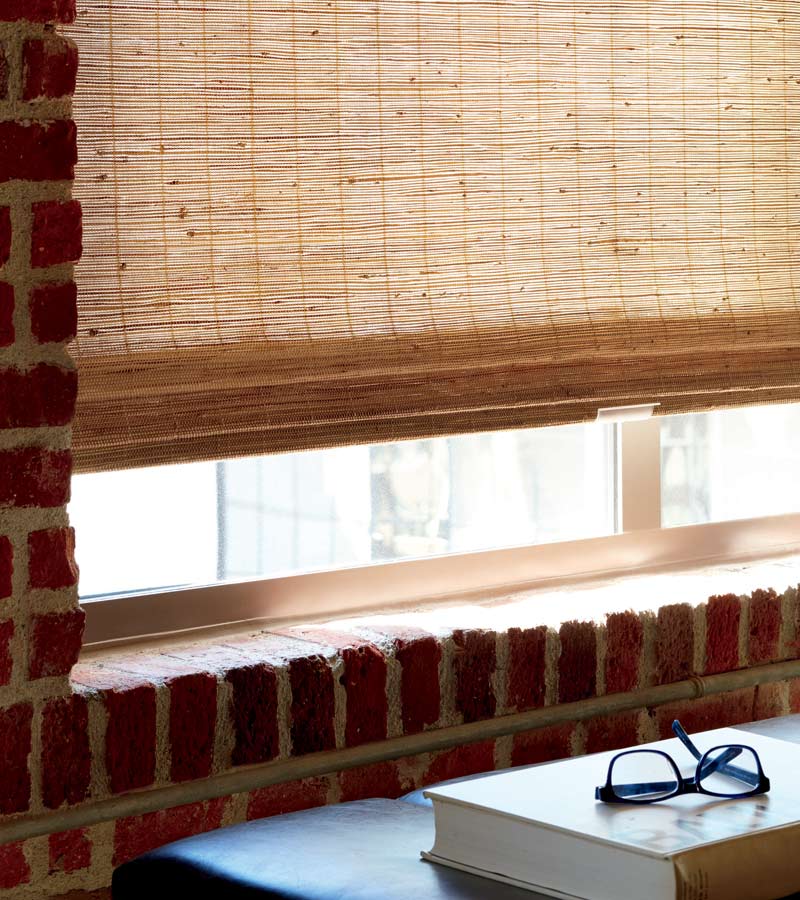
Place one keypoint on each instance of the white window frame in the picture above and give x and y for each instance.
(640, 546)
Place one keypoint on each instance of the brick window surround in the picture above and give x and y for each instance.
(124, 750)
(291, 709)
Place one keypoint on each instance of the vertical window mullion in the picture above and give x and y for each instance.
(640, 475)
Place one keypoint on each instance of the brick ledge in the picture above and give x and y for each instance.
(155, 718)
(202, 707)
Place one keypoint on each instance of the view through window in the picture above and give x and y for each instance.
(145, 529)
(204, 523)
(731, 464)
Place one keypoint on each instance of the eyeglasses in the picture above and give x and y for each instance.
(647, 776)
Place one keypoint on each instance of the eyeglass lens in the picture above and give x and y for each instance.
(643, 776)
(729, 771)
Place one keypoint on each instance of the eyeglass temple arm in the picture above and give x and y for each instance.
(686, 740)
(717, 765)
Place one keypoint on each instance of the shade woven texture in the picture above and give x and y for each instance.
(321, 222)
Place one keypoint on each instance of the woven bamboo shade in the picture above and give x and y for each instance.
(319, 222)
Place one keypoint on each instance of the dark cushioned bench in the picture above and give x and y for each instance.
(365, 850)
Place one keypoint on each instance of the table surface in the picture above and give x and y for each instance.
(367, 850)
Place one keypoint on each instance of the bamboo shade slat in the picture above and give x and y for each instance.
(321, 222)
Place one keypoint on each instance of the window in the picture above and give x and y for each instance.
(267, 521)
(170, 526)
(732, 464)
(368, 227)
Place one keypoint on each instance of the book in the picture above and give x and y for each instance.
(540, 828)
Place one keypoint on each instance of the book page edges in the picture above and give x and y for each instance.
(759, 866)
(497, 876)
(547, 826)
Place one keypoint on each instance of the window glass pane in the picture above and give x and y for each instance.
(733, 464)
(145, 528)
(301, 512)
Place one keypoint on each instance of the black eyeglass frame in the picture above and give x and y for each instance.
(706, 764)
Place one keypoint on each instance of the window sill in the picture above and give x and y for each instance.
(454, 581)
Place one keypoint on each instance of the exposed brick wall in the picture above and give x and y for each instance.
(44, 743)
(82, 858)
(146, 718)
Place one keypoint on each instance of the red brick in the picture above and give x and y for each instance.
(675, 643)
(6, 314)
(149, 666)
(765, 627)
(474, 663)
(65, 751)
(5, 231)
(6, 567)
(3, 75)
(527, 648)
(254, 710)
(612, 732)
(49, 68)
(768, 701)
(469, 759)
(419, 657)
(793, 614)
(55, 643)
(15, 745)
(542, 745)
(14, 869)
(51, 558)
(321, 636)
(131, 737)
(6, 657)
(42, 395)
(794, 695)
(312, 712)
(192, 723)
(378, 780)
(38, 152)
(292, 796)
(32, 476)
(722, 633)
(135, 835)
(56, 236)
(624, 643)
(37, 10)
(69, 851)
(719, 711)
(577, 664)
(209, 658)
(54, 312)
(364, 682)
